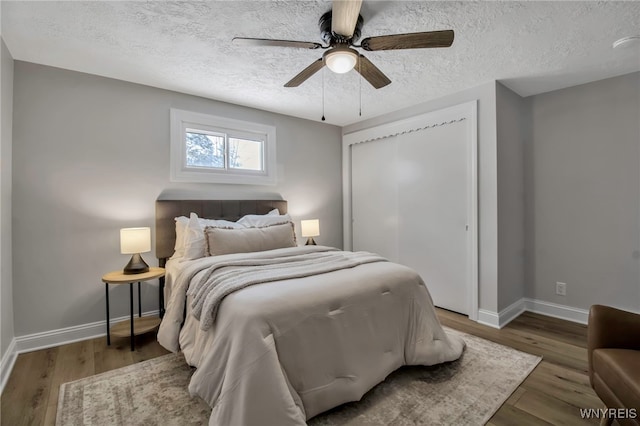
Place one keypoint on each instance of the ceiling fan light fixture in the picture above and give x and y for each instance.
(341, 60)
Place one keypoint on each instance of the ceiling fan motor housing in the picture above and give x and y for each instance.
(332, 38)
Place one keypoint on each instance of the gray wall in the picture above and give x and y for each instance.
(512, 117)
(487, 177)
(583, 194)
(6, 280)
(91, 155)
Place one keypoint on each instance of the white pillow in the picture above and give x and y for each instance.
(194, 241)
(181, 226)
(258, 221)
(218, 222)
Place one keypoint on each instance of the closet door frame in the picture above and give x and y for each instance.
(468, 112)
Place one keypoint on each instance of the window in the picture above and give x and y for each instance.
(207, 148)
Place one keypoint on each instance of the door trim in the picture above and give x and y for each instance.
(467, 111)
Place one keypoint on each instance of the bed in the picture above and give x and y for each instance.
(283, 334)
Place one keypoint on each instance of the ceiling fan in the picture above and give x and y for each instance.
(340, 29)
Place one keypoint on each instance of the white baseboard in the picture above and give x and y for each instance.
(7, 362)
(505, 316)
(48, 339)
(511, 312)
(502, 318)
(490, 318)
(63, 336)
(557, 311)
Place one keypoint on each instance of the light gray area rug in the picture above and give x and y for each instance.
(464, 392)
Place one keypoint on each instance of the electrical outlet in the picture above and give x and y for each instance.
(561, 289)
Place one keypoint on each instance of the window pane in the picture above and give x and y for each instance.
(204, 150)
(245, 154)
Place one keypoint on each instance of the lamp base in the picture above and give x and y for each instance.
(136, 265)
(310, 242)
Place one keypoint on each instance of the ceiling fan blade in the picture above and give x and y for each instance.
(244, 41)
(345, 16)
(305, 73)
(409, 41)
(371, 73)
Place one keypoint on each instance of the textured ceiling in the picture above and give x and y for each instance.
(532, 47)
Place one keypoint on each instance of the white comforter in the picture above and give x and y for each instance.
(282, 352)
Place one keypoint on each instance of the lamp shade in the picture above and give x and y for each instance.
(135, 240)
(310, 228)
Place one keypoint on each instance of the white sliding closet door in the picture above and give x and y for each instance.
(410, 203)
(374, 197)
(433, 182)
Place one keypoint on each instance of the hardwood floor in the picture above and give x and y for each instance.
(558, 387)
(30, 396)
(552, 394)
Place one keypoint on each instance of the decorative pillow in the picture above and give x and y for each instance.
(245, 240)
(257, 220)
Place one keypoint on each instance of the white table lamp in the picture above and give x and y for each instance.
(135, 241)
(310, 229)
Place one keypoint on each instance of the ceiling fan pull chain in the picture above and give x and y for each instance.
(360, 83)
(322, 94)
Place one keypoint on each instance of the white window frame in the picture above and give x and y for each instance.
(181, 120)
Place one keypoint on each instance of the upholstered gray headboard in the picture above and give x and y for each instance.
(168, 210)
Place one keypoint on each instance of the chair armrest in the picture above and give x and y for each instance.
(611, 328)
